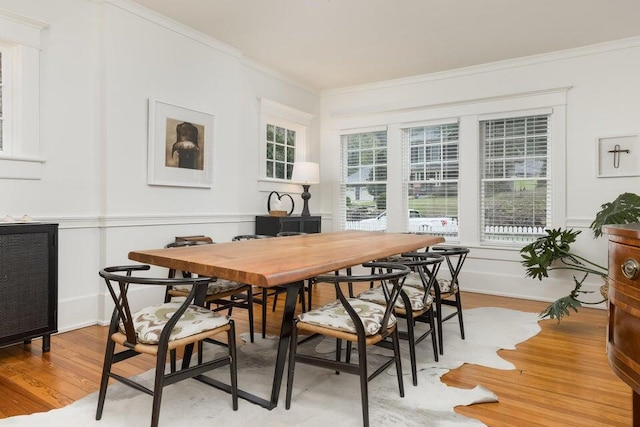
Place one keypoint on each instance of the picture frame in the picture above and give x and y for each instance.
(618, 156)
(180, 146)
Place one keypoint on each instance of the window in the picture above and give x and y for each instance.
(283, 132)
(364, 181)
(432, 178)
(20, 40)
(515, 189)
(281, 151)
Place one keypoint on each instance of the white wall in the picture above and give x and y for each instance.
(596, 88)
(99, 65)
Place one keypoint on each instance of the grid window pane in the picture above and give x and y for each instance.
(432, 181)
(515, 189)
(280, 152)
(363, 184)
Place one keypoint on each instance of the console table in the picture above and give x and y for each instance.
(28, 283)
(272, 225)
(623, 330)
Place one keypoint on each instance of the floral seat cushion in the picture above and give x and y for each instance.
(445, 286)
(413, 280)
(416, 297)
(334, 316)
(149, 321)
(215, 287)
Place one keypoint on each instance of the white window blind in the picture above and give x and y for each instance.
(515, 193)
(364, 181)
(431, 153)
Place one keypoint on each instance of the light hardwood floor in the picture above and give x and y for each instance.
(562, 377)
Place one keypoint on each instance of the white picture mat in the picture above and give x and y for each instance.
(158, 173)
(628, 163)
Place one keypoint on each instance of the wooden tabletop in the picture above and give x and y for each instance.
(282, 260)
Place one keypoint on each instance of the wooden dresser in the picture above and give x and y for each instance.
(623, 332)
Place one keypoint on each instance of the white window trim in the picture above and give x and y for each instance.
(21, 155)
(274, 113)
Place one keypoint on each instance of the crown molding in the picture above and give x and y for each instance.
(632, 42)
(172, 25)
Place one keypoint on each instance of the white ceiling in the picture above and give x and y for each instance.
(327, 44)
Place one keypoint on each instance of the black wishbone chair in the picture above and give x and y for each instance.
(157, 330)
(445, 288)
(257, 300)
(353, 320)
(415, 303)
(224, 294)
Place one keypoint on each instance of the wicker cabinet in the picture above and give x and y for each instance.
(28, 283)
(623, 330)
(272, 225)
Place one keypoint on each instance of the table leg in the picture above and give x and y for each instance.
(283, 346)
(293, 291)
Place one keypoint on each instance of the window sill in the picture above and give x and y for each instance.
(21, 167)
(281, 186)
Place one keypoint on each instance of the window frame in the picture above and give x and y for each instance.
(516, 238)
(344, 174)
(406, 176)
(20, 37)
(276, 114)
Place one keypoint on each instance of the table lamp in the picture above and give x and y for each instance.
(305, 173)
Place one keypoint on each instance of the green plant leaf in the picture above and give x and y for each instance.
(560, 308)
(624, 209)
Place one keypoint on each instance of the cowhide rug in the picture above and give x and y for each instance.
(320, 398)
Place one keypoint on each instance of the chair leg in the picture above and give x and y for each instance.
(233, 365)
(339, 351)
(264, 312)
(200, 351)
(396, 353)
(158, 386)
(310, 291)
(293, 344)
(439, 322)
(104, 381)
(172, 357)
(412, 347)
(250, 310)
(364, 381)
(459, 308)
(434, 341)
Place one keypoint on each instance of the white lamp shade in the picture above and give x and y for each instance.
(306, 173)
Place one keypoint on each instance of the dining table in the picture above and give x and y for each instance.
(283, 261)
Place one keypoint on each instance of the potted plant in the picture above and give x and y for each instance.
(553, 252)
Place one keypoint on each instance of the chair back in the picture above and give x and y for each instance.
(181, 244)
(455, 257)
(118, 280)
(387, 273)
(426, 264)
(249, 237)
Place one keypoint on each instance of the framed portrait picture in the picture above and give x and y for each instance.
(180, 147)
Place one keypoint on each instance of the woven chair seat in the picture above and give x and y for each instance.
(416, 298)
(149, 321)
(334, 316)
